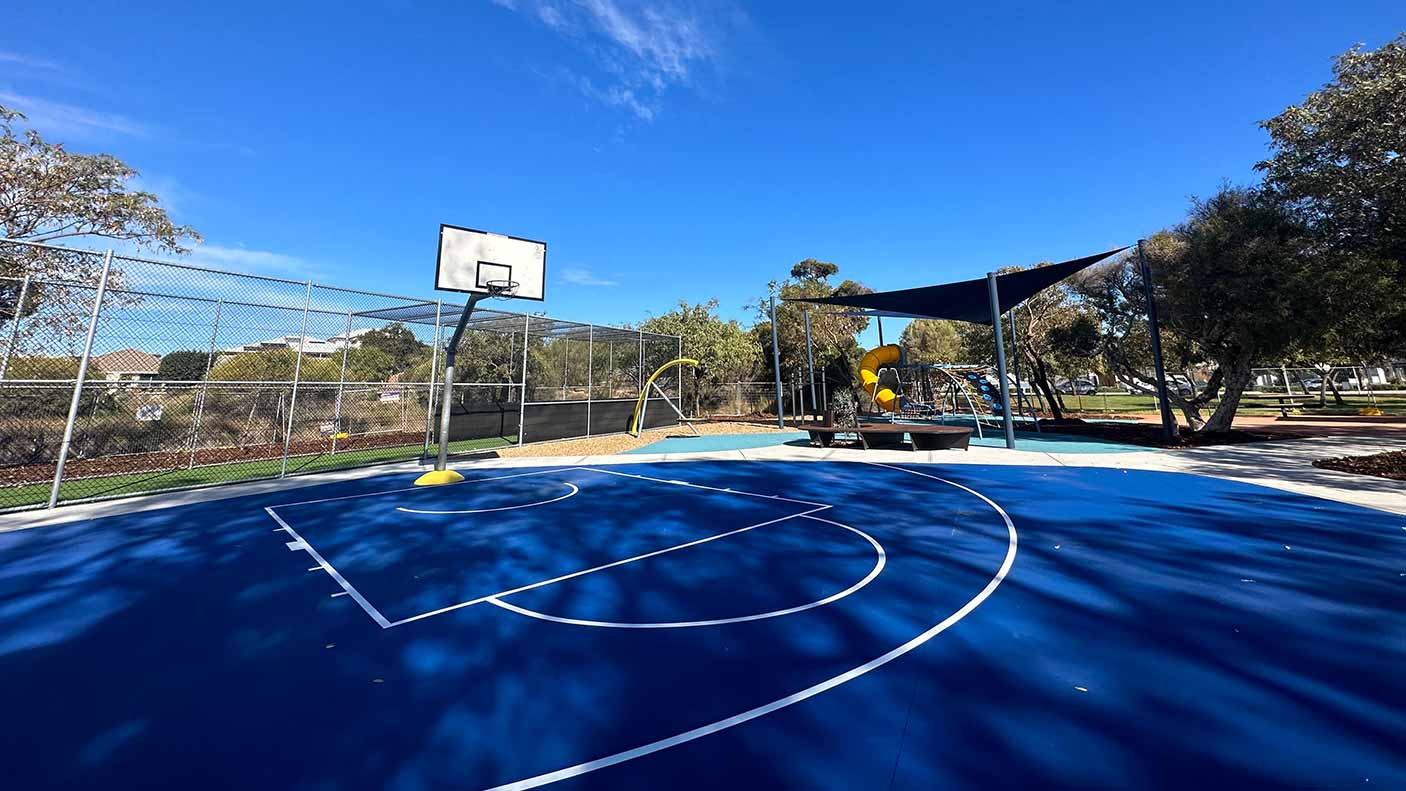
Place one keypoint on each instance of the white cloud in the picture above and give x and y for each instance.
(28, 62)
(580, 276)
(644, 47)
(56, 118)
(243, 259)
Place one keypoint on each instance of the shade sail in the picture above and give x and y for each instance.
(966, 300)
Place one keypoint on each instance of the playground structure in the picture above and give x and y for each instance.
(924, 392)
(637, 417)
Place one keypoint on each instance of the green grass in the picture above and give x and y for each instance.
(1249, 405)
(233, 472)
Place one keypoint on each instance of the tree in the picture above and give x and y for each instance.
(49, 194)
(932, 341)
(398, 343)
(274, 365)
(833, 343)
(183, 366)
(369, 364)
(811, 269)
(1243, 278)
(1339, 157)
(725, 352)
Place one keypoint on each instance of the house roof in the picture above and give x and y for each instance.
(127, 361)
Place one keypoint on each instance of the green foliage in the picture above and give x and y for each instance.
(369, 364)
(811, 269)
(183, 366)
(837, 352)
(724, 350)
(1341, 154)
(932, 341)
(1340, 159)
(51, 194)
(42, 368)
(398, 343)
(275, 365)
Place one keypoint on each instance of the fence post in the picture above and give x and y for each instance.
(522, 396)
(341, 383)
(15, 331)
(204, 384)
(434, 371)
(590, 370)
(67, 442)
(1284, 372)
(297, 372)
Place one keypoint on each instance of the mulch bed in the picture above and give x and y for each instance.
(1391, 464)
(174, 460)
(1149, 435)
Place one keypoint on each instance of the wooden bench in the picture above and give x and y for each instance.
(890, 435)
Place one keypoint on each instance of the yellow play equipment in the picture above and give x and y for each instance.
(638, 417)
(882, 357)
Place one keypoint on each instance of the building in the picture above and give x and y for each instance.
(127, 365)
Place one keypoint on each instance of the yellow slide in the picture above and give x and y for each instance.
(869, 375)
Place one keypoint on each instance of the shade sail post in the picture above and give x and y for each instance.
(1003, 387)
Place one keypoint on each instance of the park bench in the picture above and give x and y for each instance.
(890, 435)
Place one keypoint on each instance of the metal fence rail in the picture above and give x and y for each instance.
(121, 374)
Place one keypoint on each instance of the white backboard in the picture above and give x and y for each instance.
(469, 260)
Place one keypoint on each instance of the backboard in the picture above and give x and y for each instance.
(471, 261)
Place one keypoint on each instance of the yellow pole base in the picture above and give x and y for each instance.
(438, 478)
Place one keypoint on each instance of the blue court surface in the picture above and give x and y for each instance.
(707, 625)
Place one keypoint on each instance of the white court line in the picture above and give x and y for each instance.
(573, 574)
(427, 488)
(701, 486)
(365, 605)
(880, 559)
(571, 493)
(808, 692)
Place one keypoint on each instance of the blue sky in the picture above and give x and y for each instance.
(673, 149)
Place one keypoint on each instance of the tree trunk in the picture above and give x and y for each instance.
(1337, 394)
(1237, 375)
(1042, 381)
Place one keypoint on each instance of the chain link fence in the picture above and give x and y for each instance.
(121, 374)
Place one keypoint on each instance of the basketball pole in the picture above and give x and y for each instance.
(441, 474)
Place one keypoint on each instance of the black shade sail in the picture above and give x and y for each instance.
(966, 300)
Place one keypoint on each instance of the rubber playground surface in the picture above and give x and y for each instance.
(713, 624)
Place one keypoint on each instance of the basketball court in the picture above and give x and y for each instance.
(875, 623)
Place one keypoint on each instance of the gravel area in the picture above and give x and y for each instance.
(619, 443)
(1383, 465)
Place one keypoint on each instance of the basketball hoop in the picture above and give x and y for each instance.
(501, 288)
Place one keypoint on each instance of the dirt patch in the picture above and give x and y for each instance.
(1149, 435)
(1391, 464)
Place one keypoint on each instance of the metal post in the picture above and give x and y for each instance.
(880, 321)
(297, 372)
(565, 359)
(776, 367)
(522, 396)
(434, 371)
(1020, 398)
(1169, 425)
(610, 369)
(204, 384)
(447, 400)
(1284, 372)
(639, 376)
(810, 364)
(67, 441)
(341, 384)
(15, 331)
(590, 370)
(1003, 387)
(679, 357)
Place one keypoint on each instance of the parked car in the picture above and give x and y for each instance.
(1077, 387)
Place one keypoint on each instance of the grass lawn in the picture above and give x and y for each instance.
(135, 483)
(1249, 405)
